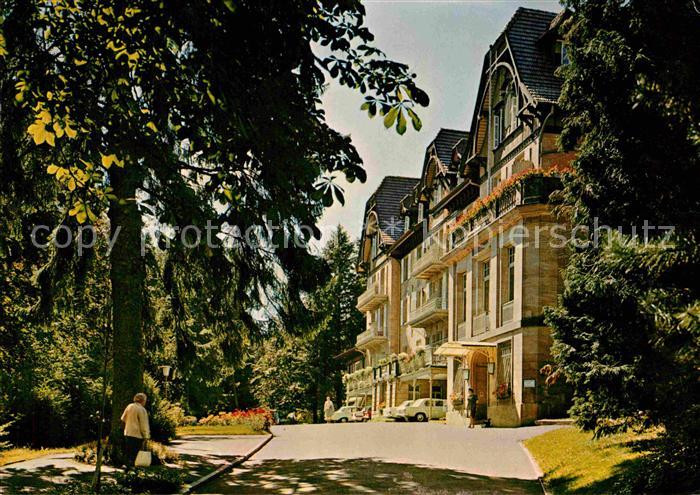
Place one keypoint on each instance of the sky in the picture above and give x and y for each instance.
(444, 42)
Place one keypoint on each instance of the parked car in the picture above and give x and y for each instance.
(362, 414)
(343, 414)
(394, 411)
(421, 409)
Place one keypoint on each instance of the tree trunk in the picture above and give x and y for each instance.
(127, 275)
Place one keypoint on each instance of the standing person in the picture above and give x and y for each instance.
(136, 429)
(328, 409)
(471, 405)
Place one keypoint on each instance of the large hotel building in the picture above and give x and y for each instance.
(462, 259)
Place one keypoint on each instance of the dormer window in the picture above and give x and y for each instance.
(561, 53)
(505, 110)
(406, 223)
(420, 212)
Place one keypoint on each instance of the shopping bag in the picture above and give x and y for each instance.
(143, 458)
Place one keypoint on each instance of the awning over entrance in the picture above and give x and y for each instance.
(427, 373)
(464, 349)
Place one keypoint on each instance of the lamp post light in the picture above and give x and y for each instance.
(168, 373)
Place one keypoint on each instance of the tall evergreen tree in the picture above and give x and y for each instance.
(337, 319)
(627, 326)
(302, 358)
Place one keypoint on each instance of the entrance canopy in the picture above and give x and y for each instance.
(467, 349)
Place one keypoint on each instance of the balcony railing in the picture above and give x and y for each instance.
(434, 309)
(373, 334)
(429, 263)
(529, 190)
(371, 298)
(462, 331)
(433, 359)
(507, 311)
(424, 358)
(480, 324)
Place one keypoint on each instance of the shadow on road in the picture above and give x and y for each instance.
(17, 480)
(359, 476)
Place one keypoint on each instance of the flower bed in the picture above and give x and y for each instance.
(259, 419)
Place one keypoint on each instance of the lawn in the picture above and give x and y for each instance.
(574, 463)
(218, 430)
(23, 454)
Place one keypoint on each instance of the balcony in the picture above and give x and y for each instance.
(462, 331)
(373, 335)
(429, 263)
(372, 298)
(359, 382)
(507, 312)
(424, 358)
(434, 309)
(529, 190)
(480, 324)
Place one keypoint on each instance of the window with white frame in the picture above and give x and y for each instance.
(485, 284)
(464, 296)
(504, 375)
(510, 258)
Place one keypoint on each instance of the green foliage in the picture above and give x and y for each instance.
(211, 111)
(152, 480)
(298, 371)
(281, 374)
(4, 445)
(82, 487)
(87, 453)
(626, 329)
(162, 414)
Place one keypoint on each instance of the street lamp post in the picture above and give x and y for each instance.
(168, 373)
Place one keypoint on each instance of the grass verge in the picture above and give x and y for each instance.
(24, 454)
(218, 430)
(574, 463)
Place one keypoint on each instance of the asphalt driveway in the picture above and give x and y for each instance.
(387, 458)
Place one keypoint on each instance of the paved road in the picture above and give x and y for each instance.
(386, 458)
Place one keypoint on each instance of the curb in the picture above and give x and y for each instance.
(536, 467)
(187, 489)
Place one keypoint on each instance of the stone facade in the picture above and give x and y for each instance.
(455, 299)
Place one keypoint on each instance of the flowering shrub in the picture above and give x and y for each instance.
(481, 205)
(258, 418)
(502, 391)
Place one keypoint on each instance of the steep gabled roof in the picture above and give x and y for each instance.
(386, 204)
(534, 63)
(445, 141)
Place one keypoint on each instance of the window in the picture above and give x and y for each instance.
(561, 53)
(464, 295)
(373, 246)
(504, 376)
(510, 295)
(420, 212)
(486, 277)
(406, 223)
(564, 55)
(497, 122)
